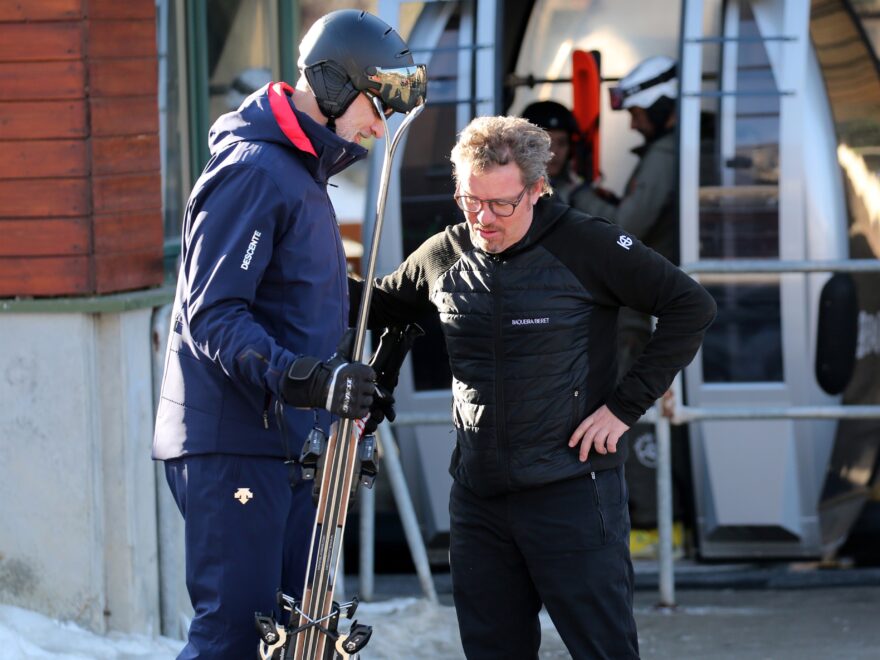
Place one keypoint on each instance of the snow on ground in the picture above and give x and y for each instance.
(26, 635)
(402, 628)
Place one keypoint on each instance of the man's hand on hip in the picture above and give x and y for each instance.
(599, 431)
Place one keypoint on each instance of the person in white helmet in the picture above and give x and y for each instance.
(648, 208)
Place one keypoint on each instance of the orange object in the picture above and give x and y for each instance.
(585, 92)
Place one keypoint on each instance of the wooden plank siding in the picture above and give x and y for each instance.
(37, 42)
(80, 178)
(115, 9)
(133, 38)
(19, 11)
(48, 237)
(123, 76)
(119, 232)
(37, 120)
(49, 158)
(42, 81)
(47, 276)
(124, 115)
(45, 198)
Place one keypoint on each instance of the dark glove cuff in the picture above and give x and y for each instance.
(297, 387)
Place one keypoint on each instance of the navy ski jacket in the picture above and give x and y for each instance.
(262, 281)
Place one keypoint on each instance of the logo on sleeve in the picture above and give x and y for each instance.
(251, 248)
(624, 241)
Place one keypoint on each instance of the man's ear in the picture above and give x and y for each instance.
(536, 191)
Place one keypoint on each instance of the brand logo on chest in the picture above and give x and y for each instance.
(542, 320)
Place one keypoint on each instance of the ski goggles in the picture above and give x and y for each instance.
(400, 89)
(620, 94)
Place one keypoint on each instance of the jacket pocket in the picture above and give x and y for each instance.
(577, 396)
(267, 401)
(599, 510)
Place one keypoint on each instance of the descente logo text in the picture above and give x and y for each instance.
(251, 248)
(539, 321)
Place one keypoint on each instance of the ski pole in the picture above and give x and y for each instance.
(341, 452)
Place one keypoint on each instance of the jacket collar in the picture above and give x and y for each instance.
(325, 153)
(545, 214)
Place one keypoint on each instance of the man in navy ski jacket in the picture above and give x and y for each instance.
(261, 304)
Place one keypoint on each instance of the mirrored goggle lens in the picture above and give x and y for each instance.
(401, 89)
(617, 96)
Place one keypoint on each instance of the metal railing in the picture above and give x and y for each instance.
(682, 414)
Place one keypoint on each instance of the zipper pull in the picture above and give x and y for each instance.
(593, 476)
(266, 403)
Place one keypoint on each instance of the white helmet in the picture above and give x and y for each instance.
(652, 79)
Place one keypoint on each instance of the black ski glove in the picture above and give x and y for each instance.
(382, 409)
(394, 344)
(343, 387)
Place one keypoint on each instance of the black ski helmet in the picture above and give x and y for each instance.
(551, 115)
(350, 51)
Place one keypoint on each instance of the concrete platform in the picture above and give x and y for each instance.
(726, 612)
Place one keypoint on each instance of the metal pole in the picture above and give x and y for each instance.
(693, 413)
(391, 144)
(664, 508)
(339, 582)
(768, 266)
(367, 544)
(385, 438)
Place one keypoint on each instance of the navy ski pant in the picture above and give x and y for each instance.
(247, 534)
(564, 545)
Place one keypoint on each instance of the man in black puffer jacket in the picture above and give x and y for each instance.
(528, 292)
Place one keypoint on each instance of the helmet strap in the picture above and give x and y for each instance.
(333, 89)
(659, 113)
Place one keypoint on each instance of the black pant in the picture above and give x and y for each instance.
(565, 545)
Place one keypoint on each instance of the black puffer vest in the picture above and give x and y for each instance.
(532, 337)
(516, 327)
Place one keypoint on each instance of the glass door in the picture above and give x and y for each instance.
(746, 104)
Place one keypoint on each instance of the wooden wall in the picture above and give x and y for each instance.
(80, 186)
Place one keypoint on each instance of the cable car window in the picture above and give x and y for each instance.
(739, 205)
(241, 42)
(739, 196)
(427, 189)
(173, 129)
(744, 343)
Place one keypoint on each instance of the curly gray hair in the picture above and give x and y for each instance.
(489, 142)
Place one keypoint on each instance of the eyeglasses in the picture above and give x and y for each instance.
(400, 89)
(500, 207)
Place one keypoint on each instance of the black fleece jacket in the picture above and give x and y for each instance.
(531, 336)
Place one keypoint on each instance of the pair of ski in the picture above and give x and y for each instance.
(339, 465)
